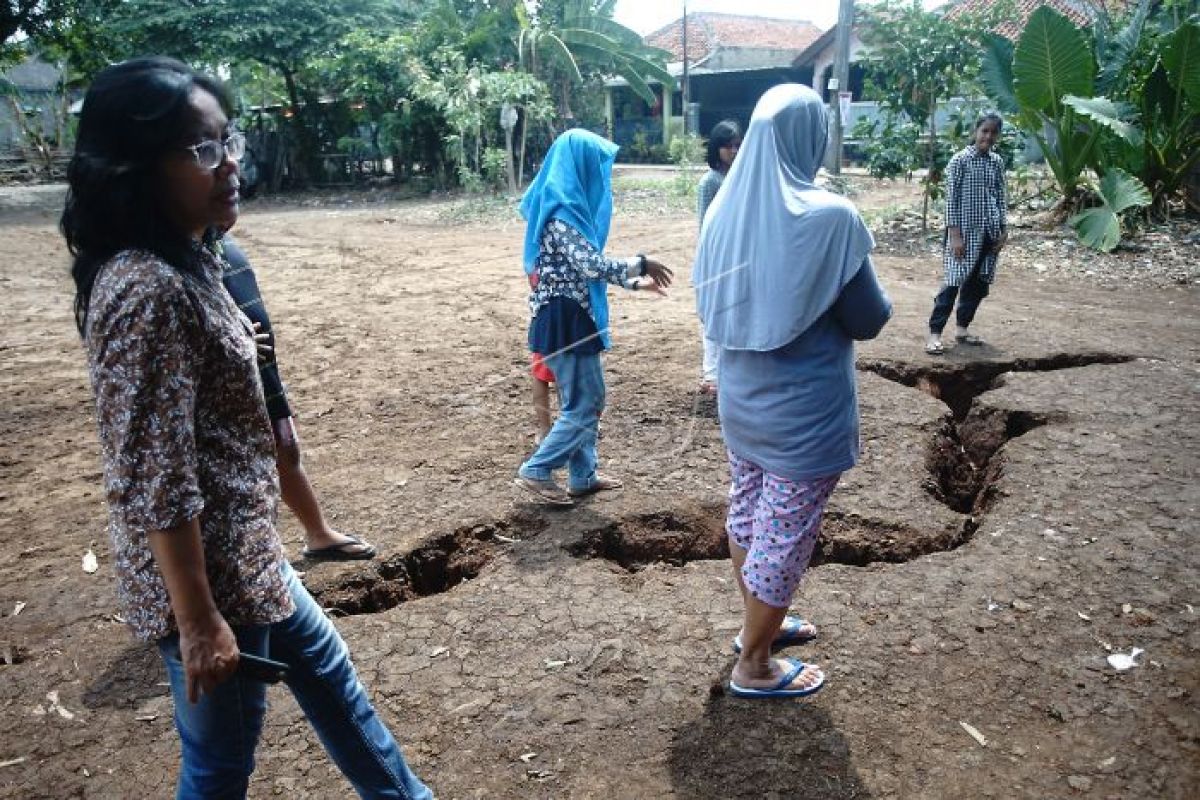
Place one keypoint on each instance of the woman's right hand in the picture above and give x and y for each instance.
(209, 652)
(660, 274)
(957, 246)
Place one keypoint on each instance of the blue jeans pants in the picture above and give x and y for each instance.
(572, 440)
(219, 733)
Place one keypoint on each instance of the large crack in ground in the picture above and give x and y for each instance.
(962, 463)
(962, 457)
(437, 565)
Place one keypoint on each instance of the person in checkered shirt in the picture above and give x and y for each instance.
(976, 231)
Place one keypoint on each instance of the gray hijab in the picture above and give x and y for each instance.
(775, 250)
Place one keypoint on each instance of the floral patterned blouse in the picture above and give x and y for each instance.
(183, 434)
(560, 303)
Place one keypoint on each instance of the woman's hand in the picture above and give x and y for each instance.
(262, 342)
(957, 246)
(659, 274)
(209, 652)
(647, 284)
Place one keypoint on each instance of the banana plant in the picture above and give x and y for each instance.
(588, 34)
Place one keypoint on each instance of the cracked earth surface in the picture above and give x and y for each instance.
(1019, 509)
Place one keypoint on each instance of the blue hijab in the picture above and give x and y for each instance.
(575, 186)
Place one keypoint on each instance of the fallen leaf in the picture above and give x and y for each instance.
(1108, 762)
(437, 651)
(527, 757)
(90, 564)
(147, 718)
(18, 608)
(551, 664)
(974, 733)
(1083, 616)
(12, 762)
(1126, 609)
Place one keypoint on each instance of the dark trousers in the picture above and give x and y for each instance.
(973, 290)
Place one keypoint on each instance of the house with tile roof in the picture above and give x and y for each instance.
(731, 58)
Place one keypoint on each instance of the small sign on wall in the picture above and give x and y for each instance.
(844, 106)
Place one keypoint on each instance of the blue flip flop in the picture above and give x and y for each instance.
(790, 633)
(779, 690)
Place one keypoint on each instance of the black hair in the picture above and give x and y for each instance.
(134, 113)
(724, 132)
(988, 116)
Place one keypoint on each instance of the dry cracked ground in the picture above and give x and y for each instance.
(1021, 512)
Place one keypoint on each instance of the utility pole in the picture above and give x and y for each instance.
(841, 76)
(686, 93)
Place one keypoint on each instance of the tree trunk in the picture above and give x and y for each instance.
(303, 154)
(524, 136)
(930, 167)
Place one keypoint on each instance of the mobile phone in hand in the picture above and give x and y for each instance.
(261, 669)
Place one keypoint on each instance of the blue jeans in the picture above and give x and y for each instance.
(572, 440)
(219, 733)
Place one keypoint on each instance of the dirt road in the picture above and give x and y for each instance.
(1021, 512)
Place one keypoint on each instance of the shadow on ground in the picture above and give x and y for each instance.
(768, 749)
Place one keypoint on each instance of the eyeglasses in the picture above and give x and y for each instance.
(212, 152)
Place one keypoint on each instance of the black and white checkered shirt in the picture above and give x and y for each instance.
(976, 205)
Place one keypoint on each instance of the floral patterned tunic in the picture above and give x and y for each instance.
(560, 302)
(184, 434)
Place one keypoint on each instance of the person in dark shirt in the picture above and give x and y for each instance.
(321, 542)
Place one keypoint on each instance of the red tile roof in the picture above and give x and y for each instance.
(1081, 12)
(709, 32)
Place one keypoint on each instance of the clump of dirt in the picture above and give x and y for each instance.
(437, 566)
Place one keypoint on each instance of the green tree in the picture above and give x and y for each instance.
(565, 40)
(918, 59)
(25, 19)
(287, 36)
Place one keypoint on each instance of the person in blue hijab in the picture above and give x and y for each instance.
(568, 211)
(784, 286)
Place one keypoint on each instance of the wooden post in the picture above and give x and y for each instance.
(841, 73)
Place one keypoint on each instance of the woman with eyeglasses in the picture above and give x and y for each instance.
(187, 447)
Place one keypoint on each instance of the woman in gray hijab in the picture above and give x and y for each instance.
(784, 284)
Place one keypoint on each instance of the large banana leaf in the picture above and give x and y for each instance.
(1111, 115)
(1051, 60)
(1182, 60)
(1100, 227)
(996, 72)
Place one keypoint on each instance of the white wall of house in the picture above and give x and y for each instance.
(824, 59)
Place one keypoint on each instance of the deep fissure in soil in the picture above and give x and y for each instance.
(957, 385)
(961, 459)
(697, 533)
(437, 565)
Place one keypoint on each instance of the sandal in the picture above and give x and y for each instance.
(601, 483)
(969, 339)
(545, 490)
(935, 349)
(794, 630)
(780, 689)
(353, 549)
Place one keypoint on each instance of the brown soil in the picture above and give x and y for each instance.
(1020, 511)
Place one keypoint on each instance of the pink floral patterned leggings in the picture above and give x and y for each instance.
(776, 521)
